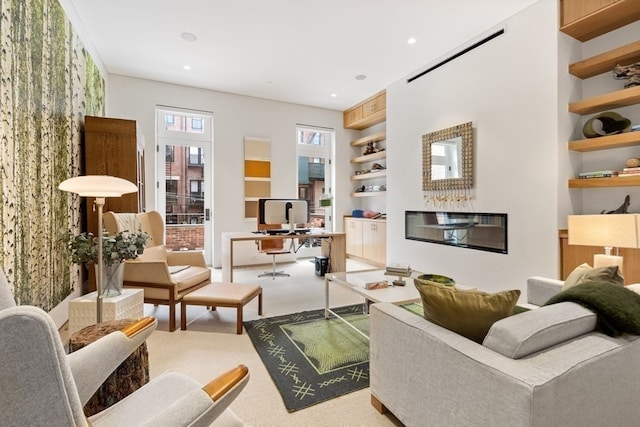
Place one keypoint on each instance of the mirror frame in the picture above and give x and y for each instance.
(465, 131)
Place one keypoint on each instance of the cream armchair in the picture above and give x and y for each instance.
(40, 385)
(166, 276)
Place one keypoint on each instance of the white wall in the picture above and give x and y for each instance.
(234, 117)
(508, 89)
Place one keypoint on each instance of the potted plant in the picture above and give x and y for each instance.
(115, 250)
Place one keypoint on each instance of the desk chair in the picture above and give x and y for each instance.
(273, 248)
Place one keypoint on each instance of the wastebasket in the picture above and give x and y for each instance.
(322, 265)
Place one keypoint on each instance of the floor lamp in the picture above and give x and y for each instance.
(100, 187)
(606, 230)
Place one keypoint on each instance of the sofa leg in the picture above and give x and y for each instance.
(378, 405)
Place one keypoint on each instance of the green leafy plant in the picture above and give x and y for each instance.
(115, 249)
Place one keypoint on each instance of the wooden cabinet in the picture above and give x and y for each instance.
(353, 231)
(599, 64)
(369, 112)
(114, 147)
(586, 19)
(572, 256)
(367, 239)
(374, 241)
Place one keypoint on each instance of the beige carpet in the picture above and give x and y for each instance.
(210, 346)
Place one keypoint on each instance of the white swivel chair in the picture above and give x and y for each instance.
(273, 248)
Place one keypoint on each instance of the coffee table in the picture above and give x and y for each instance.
(355, 282)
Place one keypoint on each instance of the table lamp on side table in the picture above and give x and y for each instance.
(607, 230)
(100, 187)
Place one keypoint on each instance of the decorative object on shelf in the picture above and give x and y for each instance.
(630, 72)
(622, 209)
(633, 162)
(607, 123)
(608, 231)
(100, 187)
(437, 278)
(399, 270)
(447, 164)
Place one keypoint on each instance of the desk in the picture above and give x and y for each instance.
(337, 251)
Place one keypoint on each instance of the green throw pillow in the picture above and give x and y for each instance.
(468, 313)
(585, 273)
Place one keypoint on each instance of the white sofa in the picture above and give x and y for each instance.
(548, 368)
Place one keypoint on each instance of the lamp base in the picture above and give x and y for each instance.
(602, 260)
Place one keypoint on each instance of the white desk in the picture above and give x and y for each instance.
(128, 305)
(337, 250)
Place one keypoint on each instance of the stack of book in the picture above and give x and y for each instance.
(598, 174)
(629, 172)
(396, 269)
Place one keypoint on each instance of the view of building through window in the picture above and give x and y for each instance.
(314, 151)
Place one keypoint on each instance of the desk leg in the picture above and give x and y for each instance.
(326, 296)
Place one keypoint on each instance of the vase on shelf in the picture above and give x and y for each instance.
(112, 276)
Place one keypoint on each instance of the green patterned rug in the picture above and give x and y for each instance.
(311, 359)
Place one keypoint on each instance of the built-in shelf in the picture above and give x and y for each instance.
(627, 139)
(378, 136)
(369, 175)
(369, 194)
(617, 99)
(372, 157)
(603, 20)
(614, 181)
(605, 62)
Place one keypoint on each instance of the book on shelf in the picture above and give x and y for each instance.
(634, 169)
(629, 173)
(598, 174)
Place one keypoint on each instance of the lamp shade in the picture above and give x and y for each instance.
(612, 230)
(98, 186)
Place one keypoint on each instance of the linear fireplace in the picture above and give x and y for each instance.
(482, 231)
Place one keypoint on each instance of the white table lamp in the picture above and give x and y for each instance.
(100, 187)
(606, 230)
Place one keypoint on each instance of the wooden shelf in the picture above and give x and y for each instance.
(627, 139)
(614, 181)
(369, 194)
(379, 136)
(617, 99)
(603, 20)
(372, 157)
(605, 62)
(371, 175)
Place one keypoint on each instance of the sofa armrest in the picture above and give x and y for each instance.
(195, 258)
(147, 272)
(540, 289)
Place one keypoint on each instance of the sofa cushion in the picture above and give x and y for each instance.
(468, 313)
(529, 332)
(585, 273)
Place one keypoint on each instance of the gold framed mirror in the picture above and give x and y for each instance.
(447, 158)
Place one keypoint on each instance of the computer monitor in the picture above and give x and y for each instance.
(283, 211)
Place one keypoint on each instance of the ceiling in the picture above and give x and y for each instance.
(296, 51)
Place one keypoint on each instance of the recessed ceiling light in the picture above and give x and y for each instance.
(190, 37)
(361, 77)
(412, 41)
(187, 67)
(333, 95)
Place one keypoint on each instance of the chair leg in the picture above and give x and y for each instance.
(273, 273)
(172, 316)
(239, 308)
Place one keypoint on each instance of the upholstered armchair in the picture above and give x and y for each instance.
(166, 276)
(40, 385)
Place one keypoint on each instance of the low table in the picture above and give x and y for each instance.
(128, 305)
(355, 282)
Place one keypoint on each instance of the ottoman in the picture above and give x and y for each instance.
(221, 294)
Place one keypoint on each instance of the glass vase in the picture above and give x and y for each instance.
(112, 276)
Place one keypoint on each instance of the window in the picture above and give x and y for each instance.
(196, 156)
(197, 191)
(168, 153)
(184, 123)
(171, 194)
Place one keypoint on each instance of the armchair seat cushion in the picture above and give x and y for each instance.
(184, 279)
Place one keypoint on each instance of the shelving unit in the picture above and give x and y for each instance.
(369, 194)
(600, 19)
(370, 157)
